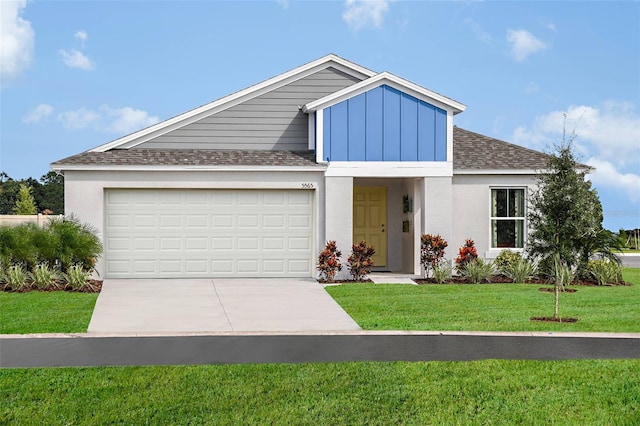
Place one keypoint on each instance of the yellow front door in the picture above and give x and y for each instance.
(370, 220)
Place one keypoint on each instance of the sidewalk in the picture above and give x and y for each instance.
(60, 350)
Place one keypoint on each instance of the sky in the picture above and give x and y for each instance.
(78, 74)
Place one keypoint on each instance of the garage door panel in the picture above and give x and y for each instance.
(208, 233)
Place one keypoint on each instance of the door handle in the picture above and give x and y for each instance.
(382, 228)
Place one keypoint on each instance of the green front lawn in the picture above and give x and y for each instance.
(420, 393)
(45, 312)
(490, 307)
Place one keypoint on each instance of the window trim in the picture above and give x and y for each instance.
(525, 224)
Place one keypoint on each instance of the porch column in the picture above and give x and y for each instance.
(339, 216)
(438, 211)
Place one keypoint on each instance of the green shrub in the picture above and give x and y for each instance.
(442, 271)
(62, 243)
(521, 270)
(506, 261)
(77, 277)
(605, 272)
(44, 277)
(78, 243)
(16, 244)
(359, 262)
(18, 278)
(478, 271)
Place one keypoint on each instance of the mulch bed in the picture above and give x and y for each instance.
(345, 281)
(552, 290)
(552, 319)
(501, 279)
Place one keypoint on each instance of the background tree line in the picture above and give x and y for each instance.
(47, 192)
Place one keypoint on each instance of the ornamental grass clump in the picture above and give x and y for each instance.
(45, 277)
(17, 278)
(605, 272)
(329, 261)
(77, 277)
(442, 272)
(521, 271)
(466, 254)
(478, 271)
(431, 251)
(360, 262)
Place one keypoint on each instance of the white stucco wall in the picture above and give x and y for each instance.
(339, 217)
(472, 208)
(84, 190)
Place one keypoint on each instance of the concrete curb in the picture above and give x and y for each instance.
(66, 350)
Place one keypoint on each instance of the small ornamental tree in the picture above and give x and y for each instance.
(467, 253)
(566, 215)
(360, 262)
(431, 251)
(329, 261)
(25, 204)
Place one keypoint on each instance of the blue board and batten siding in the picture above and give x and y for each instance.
(384, 124)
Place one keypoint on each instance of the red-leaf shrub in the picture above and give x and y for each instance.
(431, 251)
(329, 261)
(466, 254)
(360, 262)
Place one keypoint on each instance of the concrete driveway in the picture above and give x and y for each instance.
(216, 305)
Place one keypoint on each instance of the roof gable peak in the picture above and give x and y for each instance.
(392, 80)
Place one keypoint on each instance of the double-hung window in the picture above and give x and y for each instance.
(507, 218)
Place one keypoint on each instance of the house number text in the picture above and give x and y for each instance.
(307, 185)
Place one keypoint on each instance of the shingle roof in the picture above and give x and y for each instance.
(190, 157)
(473, 151)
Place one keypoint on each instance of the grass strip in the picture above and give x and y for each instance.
(480, 392)
(45, 312)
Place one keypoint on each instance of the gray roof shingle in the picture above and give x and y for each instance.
(471, 151)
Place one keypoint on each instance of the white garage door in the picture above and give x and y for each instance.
(208, 233)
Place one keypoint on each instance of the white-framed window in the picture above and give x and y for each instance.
(507, 217)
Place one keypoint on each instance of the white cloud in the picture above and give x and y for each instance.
(38, 113)
(76, 59)
(78, 119)
(283, 3)
(607, 134)
(16, 39)
(82, 36)
(107, 119)
(611, 129)
(359, 14)
(523, 44)
(127, 119)
(606, 174)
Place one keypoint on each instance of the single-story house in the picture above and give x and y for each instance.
(254, 184)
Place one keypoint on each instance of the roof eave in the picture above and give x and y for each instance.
(495, 171)
(56, 167)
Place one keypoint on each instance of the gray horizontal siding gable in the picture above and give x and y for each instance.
(271, 121)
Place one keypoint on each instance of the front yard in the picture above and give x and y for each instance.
(490, 307)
